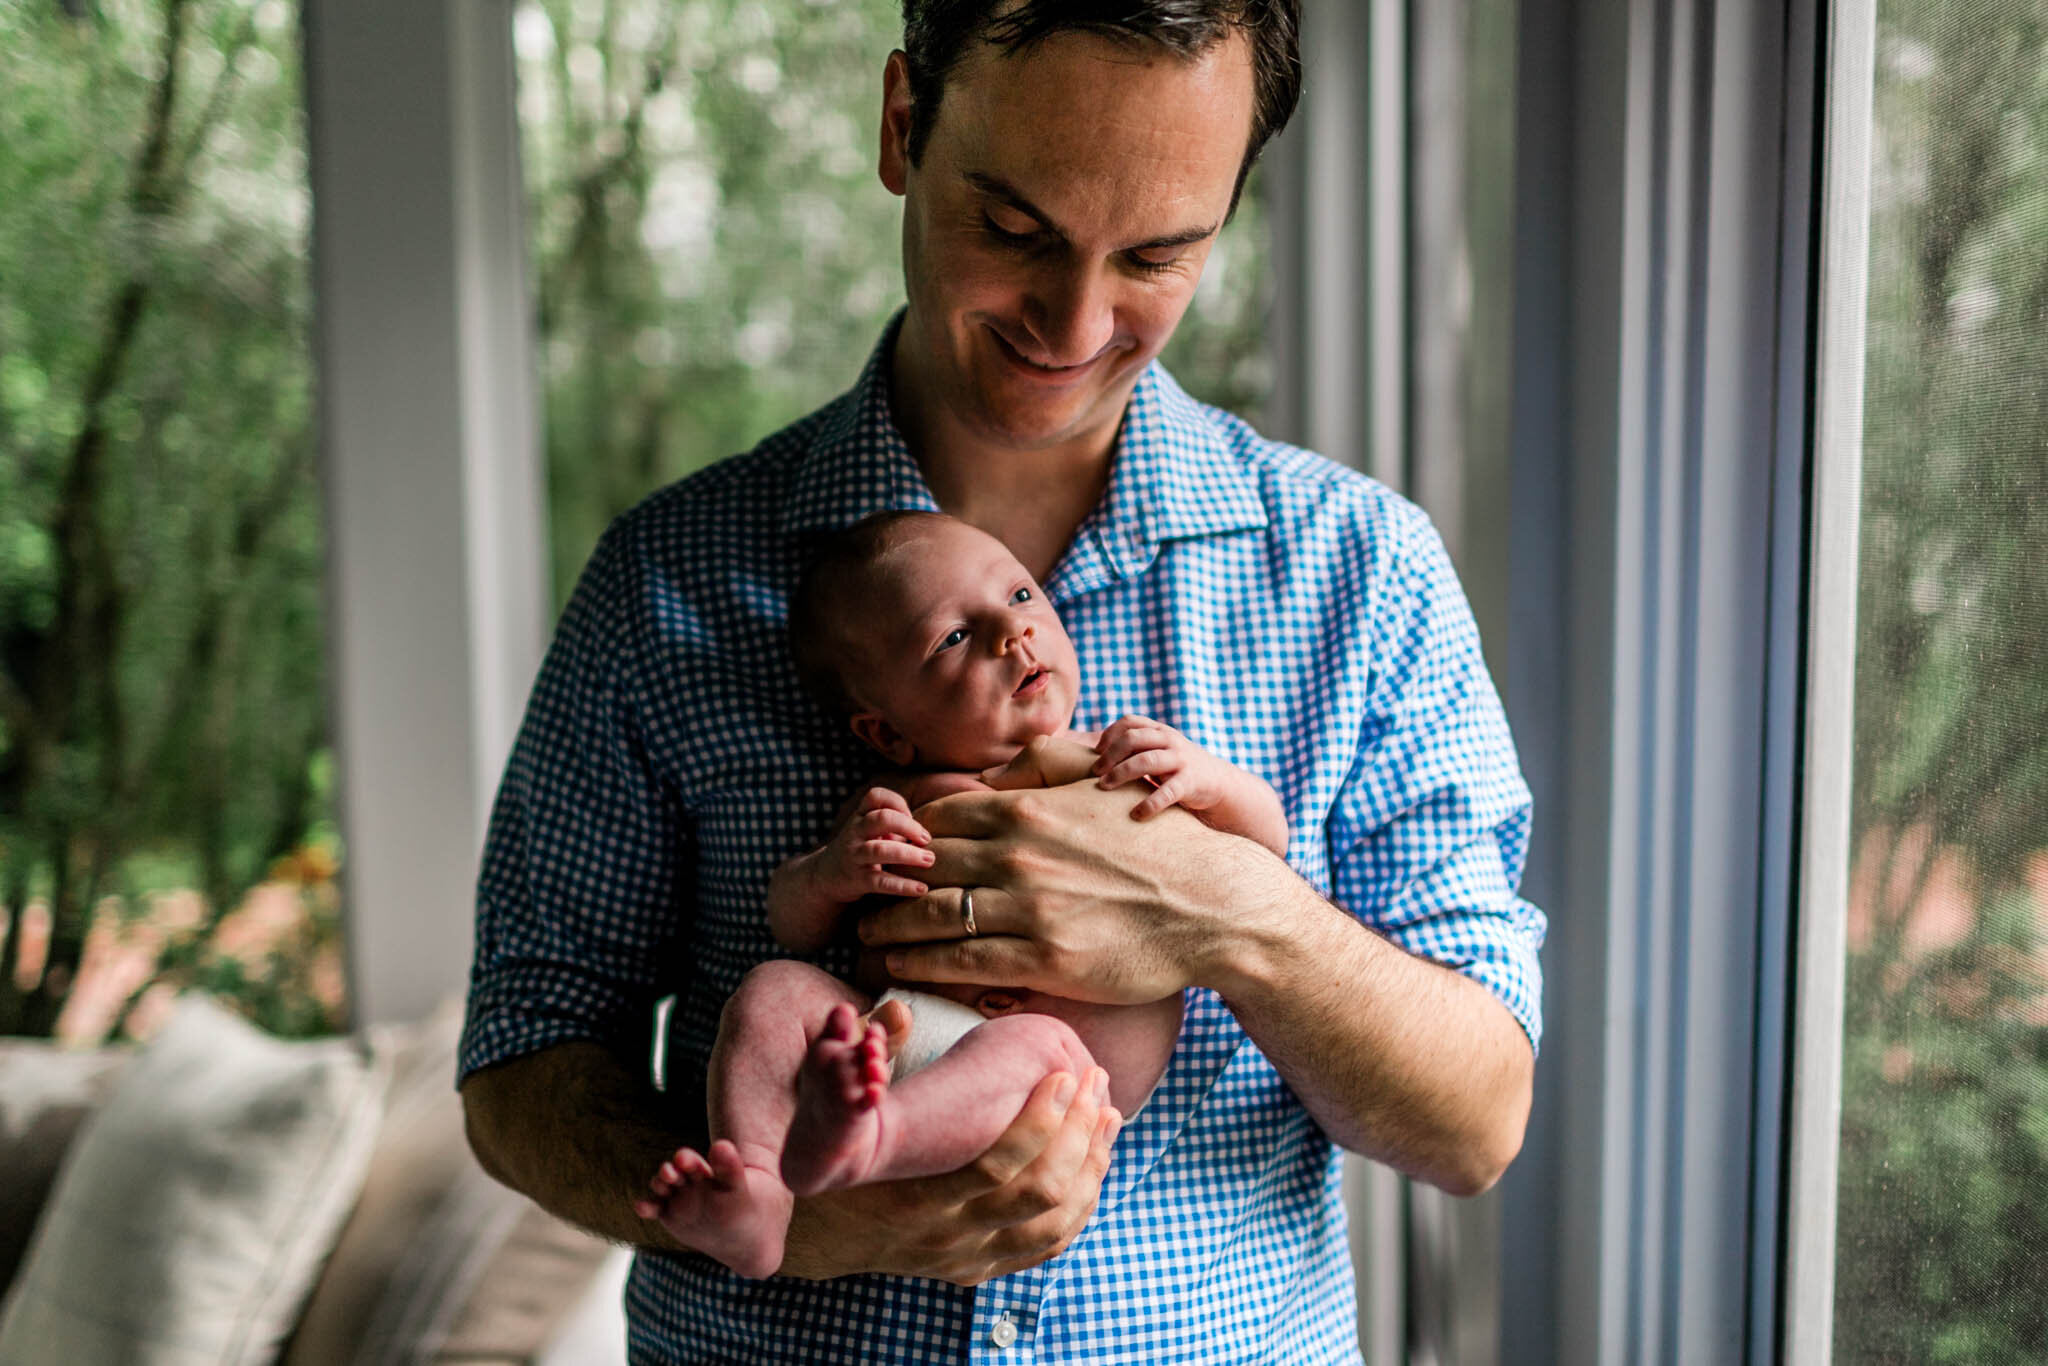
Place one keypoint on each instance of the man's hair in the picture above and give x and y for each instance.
(937, 33)
(839, 573)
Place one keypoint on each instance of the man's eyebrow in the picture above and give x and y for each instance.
(997, 188)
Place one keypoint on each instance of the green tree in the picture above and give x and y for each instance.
(715, 255)
(161, 655)
(1944, 1186)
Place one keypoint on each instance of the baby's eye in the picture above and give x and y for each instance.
(1021, 595)
(953, 637)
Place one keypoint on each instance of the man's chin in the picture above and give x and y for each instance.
(1030, 422)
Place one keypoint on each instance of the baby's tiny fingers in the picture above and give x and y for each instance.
(884, 799)
(898, 823)
(1156, 801)
(894, 851)
(892, 885)
(1149, 763)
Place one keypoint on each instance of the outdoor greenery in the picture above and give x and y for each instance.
(715, 253)
(713, 256)
(1943, 1235)
(161, 655)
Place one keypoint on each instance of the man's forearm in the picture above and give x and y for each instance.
(573, 1131)
(1396, 1057)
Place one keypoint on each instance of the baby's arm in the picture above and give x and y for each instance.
(1183, 773)
(808, 892)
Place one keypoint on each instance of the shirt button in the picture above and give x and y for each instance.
(1004, 1332)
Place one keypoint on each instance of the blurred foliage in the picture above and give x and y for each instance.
(161, 651)
(715, 255)
(1943, 1233)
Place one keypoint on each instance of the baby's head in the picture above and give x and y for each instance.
(936, 644)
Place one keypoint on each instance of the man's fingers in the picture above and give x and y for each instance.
(1001, 961)
(939, 916)
(1042, 1119)
(968, 815)
(1040, 1209)
(964, 862)
(1031, 1242)
(1044, 1148)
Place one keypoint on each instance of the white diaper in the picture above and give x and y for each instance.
(936, 1024)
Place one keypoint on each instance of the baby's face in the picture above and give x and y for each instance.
(964, 660)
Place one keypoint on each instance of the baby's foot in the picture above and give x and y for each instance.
(721, 1207)
(837, 1130)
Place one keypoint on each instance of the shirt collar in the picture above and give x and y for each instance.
(1174, 474)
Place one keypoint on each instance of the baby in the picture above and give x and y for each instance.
(948, 661)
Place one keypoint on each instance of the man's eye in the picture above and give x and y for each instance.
(1003, 234)
(1154, 263)
(953, 637)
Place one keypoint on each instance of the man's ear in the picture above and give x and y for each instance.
(895, 165)
(878, 735)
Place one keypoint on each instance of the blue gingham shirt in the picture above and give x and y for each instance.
(1287, 613)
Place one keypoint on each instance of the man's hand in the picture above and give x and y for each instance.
(1396, 1057)
(569, 1127)
(1070, 900)
(1019, 1203)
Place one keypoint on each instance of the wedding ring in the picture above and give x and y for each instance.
(967, 912)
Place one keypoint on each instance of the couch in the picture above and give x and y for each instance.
(218, 1196)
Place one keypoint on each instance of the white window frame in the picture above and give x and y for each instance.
(1814, 1137)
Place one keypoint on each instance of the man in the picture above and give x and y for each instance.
(1063, 178)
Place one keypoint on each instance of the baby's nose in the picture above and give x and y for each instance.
(1008, 638)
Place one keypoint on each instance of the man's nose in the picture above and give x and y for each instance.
(1072, 314)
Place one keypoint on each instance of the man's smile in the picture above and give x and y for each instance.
(1044, 374)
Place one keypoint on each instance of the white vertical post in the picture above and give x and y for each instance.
(430, 462)
(1823, 889)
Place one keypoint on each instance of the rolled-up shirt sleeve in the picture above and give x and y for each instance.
(579, 914)
(1430, 830)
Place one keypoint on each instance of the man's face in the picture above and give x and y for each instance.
(1057, 225)
(965, 660)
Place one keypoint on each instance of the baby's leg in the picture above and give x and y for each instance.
(730, 1202)
(852, 1127)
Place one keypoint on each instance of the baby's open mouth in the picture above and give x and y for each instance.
(1032, 682)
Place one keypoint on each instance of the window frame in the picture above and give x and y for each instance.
(1656, 662)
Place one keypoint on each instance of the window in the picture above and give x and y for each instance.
(713, 254)
(164, 785)
(1942, 1222)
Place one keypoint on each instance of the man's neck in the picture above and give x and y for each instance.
(1032, 500)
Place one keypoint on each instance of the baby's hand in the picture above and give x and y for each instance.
(1181, 771)
(880, 831)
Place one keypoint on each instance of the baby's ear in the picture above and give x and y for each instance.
(878, 735)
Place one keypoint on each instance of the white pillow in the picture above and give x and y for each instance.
(195, 1207)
